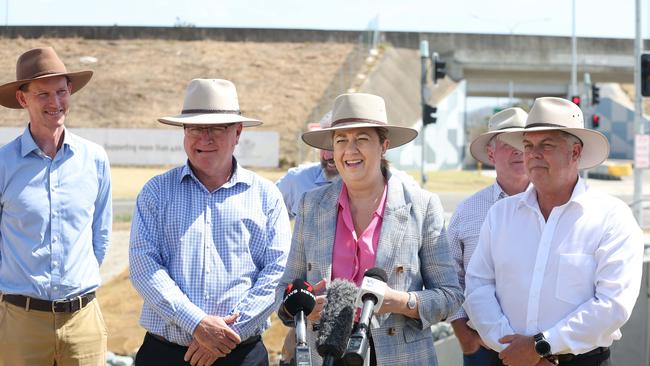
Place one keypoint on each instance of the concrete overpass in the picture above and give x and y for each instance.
(536, 65)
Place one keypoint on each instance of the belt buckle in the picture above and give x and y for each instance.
(54, 306)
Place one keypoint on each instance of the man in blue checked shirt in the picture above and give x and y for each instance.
(55, 223)
(209, 243)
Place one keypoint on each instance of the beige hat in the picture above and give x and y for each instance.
(359, 110)
(509, 119)
(551, 114)
(39, 63)
(210, 102)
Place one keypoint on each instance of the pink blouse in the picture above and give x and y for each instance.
(353, 254)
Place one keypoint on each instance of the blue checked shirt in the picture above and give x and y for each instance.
(195, 253)
(299, 180)
(464, 228)
(55, 217)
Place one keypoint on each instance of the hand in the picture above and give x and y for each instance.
(520, 351)
(395, 302)
(198, 355)
(469, 339)
(544, 362)
(314, 316)
(215, 334)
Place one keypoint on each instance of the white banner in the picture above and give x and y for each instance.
(165, 147)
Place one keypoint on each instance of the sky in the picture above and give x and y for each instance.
(594, 18)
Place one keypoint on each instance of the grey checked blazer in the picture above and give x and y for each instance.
(413, 251)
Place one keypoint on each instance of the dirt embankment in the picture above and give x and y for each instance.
(137, 81)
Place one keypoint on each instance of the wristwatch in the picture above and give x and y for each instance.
(412, 303)
(542, 347)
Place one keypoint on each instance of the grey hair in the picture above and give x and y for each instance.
(571, 139)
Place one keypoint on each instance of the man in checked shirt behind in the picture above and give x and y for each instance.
(465, 224)
(209, 242)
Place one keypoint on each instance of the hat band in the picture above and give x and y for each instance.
(211, 111)
(532, 125)
(506, 128)
(346, 120)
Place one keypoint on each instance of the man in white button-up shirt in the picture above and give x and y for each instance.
(468, 217)
(557, 269)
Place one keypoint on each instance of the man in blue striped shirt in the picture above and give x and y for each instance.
(209, 243)
(55, 224)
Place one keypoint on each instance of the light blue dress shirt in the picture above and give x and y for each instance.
(195, 253)
(299, 180)
(55, 217)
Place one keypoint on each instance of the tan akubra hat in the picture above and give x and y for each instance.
(39, 63)
(509, 119)
(359, 110)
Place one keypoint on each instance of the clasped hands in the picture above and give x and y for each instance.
(213, 338)
(521, 352)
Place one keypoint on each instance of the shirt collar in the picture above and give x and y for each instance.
(529, 197)
(322, 177)
(498, 192)
(239, 174)
(28, 145)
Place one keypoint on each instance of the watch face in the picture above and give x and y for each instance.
(543, 348)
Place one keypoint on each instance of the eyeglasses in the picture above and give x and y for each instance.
(212, 130)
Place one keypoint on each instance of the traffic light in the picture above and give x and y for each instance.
(595, 121)
(595, 94)
(429, 114)
(576, 100)
(645, 74)
(439, 68)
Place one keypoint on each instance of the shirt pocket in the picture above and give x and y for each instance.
(575, 278)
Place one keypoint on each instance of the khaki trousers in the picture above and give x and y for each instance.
(41, 338)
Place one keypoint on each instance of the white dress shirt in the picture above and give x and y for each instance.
(574, 277)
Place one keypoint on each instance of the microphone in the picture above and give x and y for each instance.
(336, 321)
(299, 301)
(370, 298)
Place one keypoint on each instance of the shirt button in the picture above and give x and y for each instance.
(55, 288)
(54, 239)
(55, 263)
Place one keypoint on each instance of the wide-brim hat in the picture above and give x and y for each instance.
(210, 102)
(39, 63)
(557, 114)
(509, 119)
(359, 110)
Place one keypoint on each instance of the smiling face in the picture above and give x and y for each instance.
(210, 150)
(46, 101)
(551, 159)
(507, 160)
(327, 163)
(357, 155)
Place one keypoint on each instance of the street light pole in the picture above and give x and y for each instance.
(637, 207)
(574, 52)
(424, 57)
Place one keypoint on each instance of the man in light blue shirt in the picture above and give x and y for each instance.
(209, 243)
(55, 224)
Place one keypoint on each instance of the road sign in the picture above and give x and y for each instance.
(642, 151)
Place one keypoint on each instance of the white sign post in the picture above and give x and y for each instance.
(642, 151)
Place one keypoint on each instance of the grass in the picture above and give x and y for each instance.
(128, 181)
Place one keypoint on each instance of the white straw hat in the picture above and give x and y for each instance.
(509, 119)
(557, 114)
(209, 102)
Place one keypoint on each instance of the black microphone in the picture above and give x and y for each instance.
(336, 321)
(370, 298)
(299, 301)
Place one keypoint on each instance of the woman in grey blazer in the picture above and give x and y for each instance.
(370, 218)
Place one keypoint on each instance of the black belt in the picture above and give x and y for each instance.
(245, 342)
(571, 357)
(56, 306)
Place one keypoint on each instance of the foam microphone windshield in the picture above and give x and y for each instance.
(299, 296)
(336, 320)
(377, 273)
